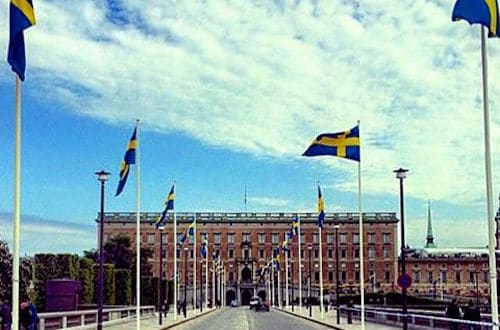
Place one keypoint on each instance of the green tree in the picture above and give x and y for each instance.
(5, 271)
(117, 252)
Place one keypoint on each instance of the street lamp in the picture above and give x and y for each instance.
(160, 228)
(337, 303)
(102, 177)
(309, 298)
(185, 277)
(401, 175)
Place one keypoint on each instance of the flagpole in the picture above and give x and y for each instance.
(213, 284)
(17, 207)
(279, 284)
(206, 277)
(321, 275)
(194, 267)
(287, 297)
(175, 260)
(361, 254)
(300, 266)
(138, 232)
(489, 192)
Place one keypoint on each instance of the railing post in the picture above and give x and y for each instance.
(64, 322)
(42, 324)
(82, 319)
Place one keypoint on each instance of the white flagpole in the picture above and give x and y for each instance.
(213, 283)
(321, 275)
(272, 284)
(17, 207)
(300, 266)
(194, 267)
(138, 233)
(269, 287)
(206, 277)
(489, 192)
(175, 259)
(361, 248)
(287, 297)
(279, 285)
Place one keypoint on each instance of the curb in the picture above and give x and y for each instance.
(170, 326)
(309, 319)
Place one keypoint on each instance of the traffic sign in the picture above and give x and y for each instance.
(404, 281)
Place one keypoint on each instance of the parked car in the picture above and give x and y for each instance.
(254, 302)
(235, 303)
(262, 307)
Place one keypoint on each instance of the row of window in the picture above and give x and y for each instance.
(471, 277)
(275, 238)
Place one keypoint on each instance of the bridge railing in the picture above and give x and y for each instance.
(87, 319)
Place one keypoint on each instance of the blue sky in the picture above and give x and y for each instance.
(230, 94)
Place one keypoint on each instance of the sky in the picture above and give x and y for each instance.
(229, 95)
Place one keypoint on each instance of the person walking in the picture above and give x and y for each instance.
(349, 305)
(35, 320)
(453, 312)
(6, 316)
(471, 313)
(25, 319)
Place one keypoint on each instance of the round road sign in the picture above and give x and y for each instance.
(404, 281)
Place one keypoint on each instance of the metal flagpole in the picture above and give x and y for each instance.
(300, 266)
(361, 249)
(17, 207)
(175, 260)
(206, 277)
(138, 233)
(279, 285)
(194, 267)
(272, 284)
(213, 283)
(489, 192)
(287, 297)
(321, 275)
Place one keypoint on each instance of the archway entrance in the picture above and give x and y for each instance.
(230, 296)
(246, 295)
(246, 275)
(262, 295)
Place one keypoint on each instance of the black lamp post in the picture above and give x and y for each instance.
(337, 300)
(401, 175)
(160, 278)
(185, 277)
(309, 301)
(102, 177)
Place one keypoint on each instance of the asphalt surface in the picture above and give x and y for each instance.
(244, 319)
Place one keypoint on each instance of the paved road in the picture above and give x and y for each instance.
(244, 319)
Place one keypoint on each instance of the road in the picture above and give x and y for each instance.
(244, 319)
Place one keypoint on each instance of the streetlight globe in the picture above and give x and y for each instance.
(336, 227)
(102, 176)
(186, 248)
(401, 173)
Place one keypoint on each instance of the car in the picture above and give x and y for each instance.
(235, 303)
(254, 302)
(262, 307)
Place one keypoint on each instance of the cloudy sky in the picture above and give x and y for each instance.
(230, 93)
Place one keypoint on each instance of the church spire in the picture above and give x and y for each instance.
(430, 238)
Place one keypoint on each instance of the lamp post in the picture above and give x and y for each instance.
(201, 285)
(160, 277)
(185, 277)
(309, 293)
(401, 175)
(102, 177)
(293, 285)
(337, 302)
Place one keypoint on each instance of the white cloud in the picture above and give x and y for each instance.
(275, 203)
(265, 79)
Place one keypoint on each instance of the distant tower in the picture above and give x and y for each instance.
(430, 238)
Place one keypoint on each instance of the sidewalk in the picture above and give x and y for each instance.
(330, 319)
(151, 322)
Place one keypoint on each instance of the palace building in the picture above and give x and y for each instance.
(245, 241)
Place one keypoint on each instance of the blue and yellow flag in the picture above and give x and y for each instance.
(22, 16)
(128, 159)
(484, 12)
(189, 232)
(169, 205)
(204, 245)
(294, 231)
(284, 245)
(343, 144)
(321, 209)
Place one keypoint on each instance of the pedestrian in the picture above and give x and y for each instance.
(471, 313)
(179, 307)
(453, 312)
(6, 316)
(350, 306)
(35, 320)
(25, 316)
(166, 307)
(184, 309)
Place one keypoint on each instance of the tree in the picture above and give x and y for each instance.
(5, 271)
(117, 252)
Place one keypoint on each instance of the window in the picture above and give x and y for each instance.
(230, 253)
(343, 238)
(217, 238)
(457, 277)
(179, 238)
(355, 238)
(444, 276)
(387, 252)
(371, 252)
(386, 238)
(330, 238)
(178, 253)
(164, 254)
(471, 277)
(275, 238)
(164, 237)
(387, 276)
(486, 277)
(191, 254)
(430, 277)
(230, 238)
(231, 276)
(356, 275)
(356, 253)
(302, 238)
(343, 253)
(316, 253)
(262, 238)
(343, 275)
(262, 254)
(330, 276)
(315, 238)
(246, 254)
(330, 253)
(302, 253)
(371, 238)
(245, 237)
(151, 238)
(316, 277)
(416, 276)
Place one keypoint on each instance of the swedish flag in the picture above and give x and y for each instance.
(189, 232)
(484, 12)
(128, 159)
(294, 231)
(22, 16)
(343, 144)
(204, 245)
(321, 209)
(169, 205)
